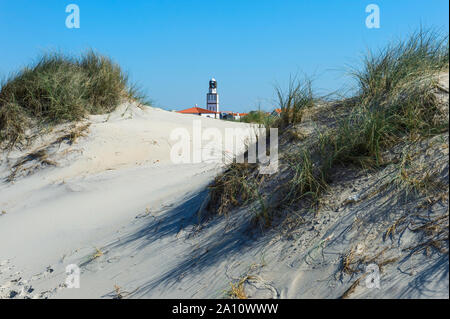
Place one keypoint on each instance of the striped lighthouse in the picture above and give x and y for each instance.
(212, 97)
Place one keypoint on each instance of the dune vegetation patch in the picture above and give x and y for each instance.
(395, 104)
(233, 188)
(58, 88)
(292, 102)
(396, 99)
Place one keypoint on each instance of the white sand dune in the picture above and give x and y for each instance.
(118, 208)
(102, 184)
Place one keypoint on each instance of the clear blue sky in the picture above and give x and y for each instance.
(172, 48)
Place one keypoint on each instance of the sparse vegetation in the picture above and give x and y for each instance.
(255, 117)
(292, 102)
(263, 212)
(259, 117)
(307, 180)
(59, 88)
(118, 292)
(40, 157)
(237, 290)
(396, 103)
(234, 187)
(396, 100)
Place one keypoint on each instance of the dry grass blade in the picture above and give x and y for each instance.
(352, 288)
(98, 253)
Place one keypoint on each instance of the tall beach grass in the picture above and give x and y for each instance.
(58, 88)
(395, 102)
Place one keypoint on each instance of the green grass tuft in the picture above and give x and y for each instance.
(395, 103)
(59, 88)
(396, 99)
(298, 97)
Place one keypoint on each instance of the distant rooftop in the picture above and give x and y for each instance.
(196, 110)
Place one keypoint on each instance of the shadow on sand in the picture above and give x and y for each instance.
(216, 240)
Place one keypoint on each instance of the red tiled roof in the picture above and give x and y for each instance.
(196, 110)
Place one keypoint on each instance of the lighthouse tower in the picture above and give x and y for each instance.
(212, 98)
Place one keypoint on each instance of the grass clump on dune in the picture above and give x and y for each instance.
(396, 102)
(59, 88)
(233, 188)
(263, 119)
(393, 69)
(396, 99)
(292, 102)
(307, 180)
(258, 116)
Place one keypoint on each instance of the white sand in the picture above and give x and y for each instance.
(120, 170)
(116, 190)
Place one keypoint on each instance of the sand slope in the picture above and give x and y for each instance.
(84, 195)
(116, 206)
